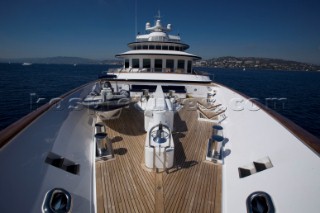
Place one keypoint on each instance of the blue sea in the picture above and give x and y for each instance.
(297, 92)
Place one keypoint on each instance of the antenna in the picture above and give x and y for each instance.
(136, 18)
(158, 16)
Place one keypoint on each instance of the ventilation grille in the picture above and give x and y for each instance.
(62, 163)
(254, 167)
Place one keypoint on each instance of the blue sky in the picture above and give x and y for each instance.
(99, 29)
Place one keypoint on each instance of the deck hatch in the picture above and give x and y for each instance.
(62, 163)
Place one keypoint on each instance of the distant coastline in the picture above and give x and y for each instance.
(257, 63)
(62, 60)
(230, 62)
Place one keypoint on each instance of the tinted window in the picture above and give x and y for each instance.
(189, 66)
(126, 63)
(158, 65)
(180, 64)
(146, 63)
(169, 63)
(135, 63)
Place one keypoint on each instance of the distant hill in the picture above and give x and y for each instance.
(257, 63)
(220, 62)
(61, 60)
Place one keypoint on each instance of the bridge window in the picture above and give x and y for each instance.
(151, 47)
(135, 63)
(180, 64)
(145, 47)
(170, 64)
(171, 47)
(165, 47)
(177, 48)
(158, 47)
(189, 66)
(126, 63)
(158, 65)
(146, 63)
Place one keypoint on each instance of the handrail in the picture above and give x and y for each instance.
(163, 70)
(12, 130)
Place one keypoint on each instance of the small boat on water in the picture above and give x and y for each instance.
(157, 136)
(26, 64)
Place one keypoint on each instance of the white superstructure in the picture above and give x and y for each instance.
(158, 52)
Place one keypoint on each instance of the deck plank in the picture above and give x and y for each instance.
(192, 185)
(99, 184)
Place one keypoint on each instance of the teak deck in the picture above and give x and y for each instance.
(192, 185)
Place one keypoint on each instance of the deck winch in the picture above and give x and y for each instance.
(160, 136)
